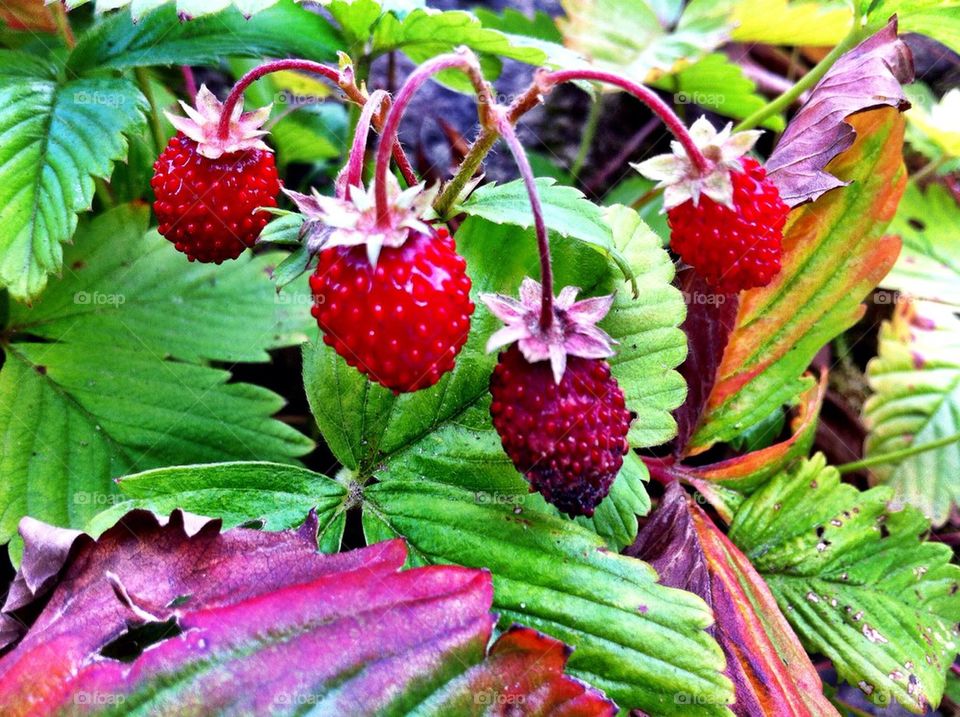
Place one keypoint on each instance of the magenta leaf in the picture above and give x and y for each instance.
(867, 76)
(174, 617)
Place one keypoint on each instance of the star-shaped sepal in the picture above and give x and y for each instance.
(680, 178)
(573, 331)
(353, 220)
(203, 121)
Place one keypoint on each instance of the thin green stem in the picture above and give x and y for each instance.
(156, 127)
(805, 83)
(588, 135)
(929, 168)
(896, 456)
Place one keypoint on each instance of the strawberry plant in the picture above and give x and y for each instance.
(372, 358)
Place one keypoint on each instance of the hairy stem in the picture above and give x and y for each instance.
(506, 130)
(463, 60)
(236, 94)
(189, 82)
(805, 83)
(480, 148)
(650, 98)
(343, 79)
(897, 456)
(353, 176)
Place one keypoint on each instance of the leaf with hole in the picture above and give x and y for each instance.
(246, 622)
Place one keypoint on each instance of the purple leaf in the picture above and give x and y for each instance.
(867, 76)
(249, 622)
(710, 319)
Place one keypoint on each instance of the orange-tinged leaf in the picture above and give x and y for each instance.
(27, 15)
(750, 470)
(835, 253)
(769, 668)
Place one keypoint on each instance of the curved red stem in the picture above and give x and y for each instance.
(353, 175)
(236, 94)
(462, 60)
(660, 108)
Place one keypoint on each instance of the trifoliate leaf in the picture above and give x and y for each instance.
(106, 374)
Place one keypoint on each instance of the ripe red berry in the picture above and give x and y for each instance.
(207, 207)
(733, 248)
(568, 439)
(403, 322)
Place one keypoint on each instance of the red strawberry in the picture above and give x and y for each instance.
(560, 414)
(401, 322)
(568, 439)
(208, 187)
(207, 207)
(733, 247)
(726, 220)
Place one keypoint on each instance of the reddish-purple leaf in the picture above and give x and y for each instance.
(710, 319)
(867, 76)
(771, 672)
(247, 622)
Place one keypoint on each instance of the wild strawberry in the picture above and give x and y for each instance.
(394, 300)
(560, 414)
(208, 189)
(726, 224)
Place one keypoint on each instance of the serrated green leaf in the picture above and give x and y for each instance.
(929, 265)
(566, 210)
(855, 581)
(644, 39)
(56, 139)
(540, 25)
(642, 643)
(277, 496)
(835, 252)
(88, 390)
(17, 64)
(422, 34)
(161, 38)
(915, 379)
